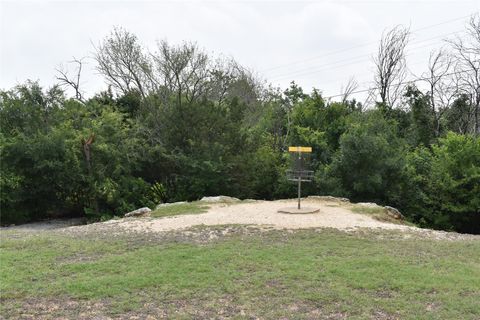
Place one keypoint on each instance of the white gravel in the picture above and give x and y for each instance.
(264, 213)
(333, 214)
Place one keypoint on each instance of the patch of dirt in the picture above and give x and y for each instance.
(45, 225)
(150, 308)
(261, 213)
(332, 214)
(225, 219)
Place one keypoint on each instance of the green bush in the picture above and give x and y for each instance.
(168, 147)
(369, 162)
(443, 186)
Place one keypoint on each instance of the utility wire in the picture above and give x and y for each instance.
(395, 85)
(367, 80)
(364, 58)
(350, 61)
(361, 45)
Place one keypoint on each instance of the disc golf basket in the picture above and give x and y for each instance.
(300, 160)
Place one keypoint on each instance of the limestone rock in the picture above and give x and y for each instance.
(142, 212)
(394, 213)
(368, 204)
(219, 199)
(328, 198)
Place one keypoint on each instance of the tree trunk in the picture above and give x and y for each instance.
(88, 160)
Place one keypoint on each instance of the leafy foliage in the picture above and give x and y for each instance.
(180, 125)
(368, 163)
(444, 184)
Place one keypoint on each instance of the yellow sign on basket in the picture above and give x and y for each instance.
(300, 149)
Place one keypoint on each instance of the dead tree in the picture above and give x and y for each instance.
(72, 81)
(349, 88)
(369, 99)
(442, 90)
(390, 65)
(467, 68)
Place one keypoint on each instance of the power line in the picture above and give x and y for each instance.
(309, 70)
(349, 61)
(361, 45)
(340, 81)
(395, 85)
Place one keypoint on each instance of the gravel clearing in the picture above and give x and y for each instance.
(263, 214)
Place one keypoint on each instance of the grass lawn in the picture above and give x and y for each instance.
(179, 209)
(242, 273)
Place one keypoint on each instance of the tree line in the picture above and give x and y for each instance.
(178, 124)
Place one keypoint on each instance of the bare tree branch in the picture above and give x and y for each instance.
(467, 68)
(184, 72)
(349, 88)
(391, 64)
(122, 62)
(442, 90)
(72, 81)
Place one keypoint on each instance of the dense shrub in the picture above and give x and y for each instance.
(369, 162)
(112, 154)
(443, 186)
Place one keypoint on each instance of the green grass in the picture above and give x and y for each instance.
(275, 274)
(178, 209)
(368, 210)
(378, 213)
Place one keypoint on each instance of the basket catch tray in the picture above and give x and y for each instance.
(302, 175)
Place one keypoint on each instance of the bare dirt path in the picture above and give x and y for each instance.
(46, 225)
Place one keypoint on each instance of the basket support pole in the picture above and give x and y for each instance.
(299, 190)
(299, 180)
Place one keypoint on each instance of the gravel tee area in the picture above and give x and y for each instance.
(264, 213)
(261, 214)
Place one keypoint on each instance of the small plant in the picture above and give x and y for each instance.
(158, 193)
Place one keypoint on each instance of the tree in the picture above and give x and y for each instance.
(27, 108)
(124, 65)
(183, 70)
(459, 117)
(72, 81)
(442, 189)
(368, 165)
(423, 117)
(291, 97)
(349, 89)
(442, 90)
(467, 69)
(390, 65)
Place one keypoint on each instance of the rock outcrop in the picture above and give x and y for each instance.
(142, 212)
(368, 204)
(394, 213)
(219, 199)
(329, 198)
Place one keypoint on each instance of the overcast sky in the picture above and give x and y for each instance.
(318, 44)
